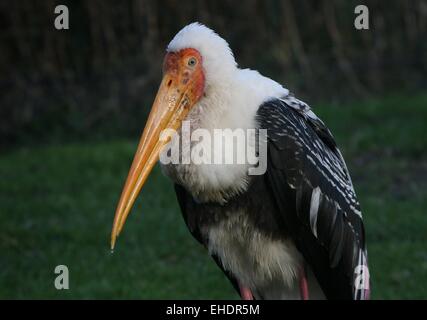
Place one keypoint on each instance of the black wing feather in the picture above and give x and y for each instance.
(315, 197)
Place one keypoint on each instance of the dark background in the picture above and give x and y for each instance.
(73, 104)
(101, 74)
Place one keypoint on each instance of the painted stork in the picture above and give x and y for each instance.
(293, 232)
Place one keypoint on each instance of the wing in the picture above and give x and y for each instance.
(191, 211)
(315, 196)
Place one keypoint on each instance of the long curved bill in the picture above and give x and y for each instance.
(172, 103)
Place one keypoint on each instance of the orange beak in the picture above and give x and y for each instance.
(174, 99)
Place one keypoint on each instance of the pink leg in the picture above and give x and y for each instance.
(245, 292)
(303, 284)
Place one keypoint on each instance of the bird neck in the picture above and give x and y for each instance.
(232, 103)
(229, 104)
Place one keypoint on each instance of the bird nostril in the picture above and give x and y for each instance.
(169, 83)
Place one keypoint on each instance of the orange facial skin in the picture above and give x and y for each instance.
(177, 65)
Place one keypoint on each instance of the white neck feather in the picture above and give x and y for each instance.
(231, 99)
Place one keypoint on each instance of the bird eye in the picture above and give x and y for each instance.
(192, 62)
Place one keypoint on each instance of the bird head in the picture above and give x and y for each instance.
(196, 60)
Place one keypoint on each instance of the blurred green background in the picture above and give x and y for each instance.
(73, 104)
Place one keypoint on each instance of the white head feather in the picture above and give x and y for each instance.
(218, 59)
(224, 80)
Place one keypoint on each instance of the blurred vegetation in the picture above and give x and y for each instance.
(99, 77)
(58, 204)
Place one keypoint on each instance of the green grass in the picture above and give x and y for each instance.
(57, 204)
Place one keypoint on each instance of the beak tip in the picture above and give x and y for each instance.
(112, 243)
